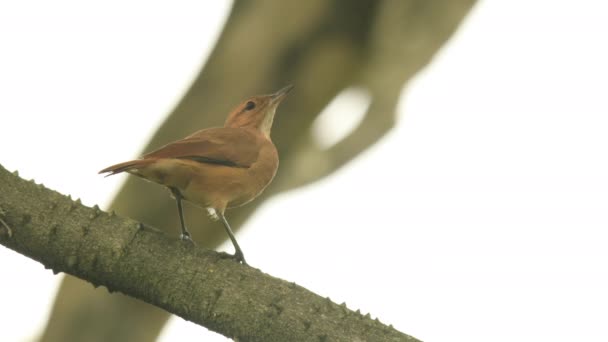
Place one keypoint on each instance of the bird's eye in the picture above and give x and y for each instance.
(249, 105)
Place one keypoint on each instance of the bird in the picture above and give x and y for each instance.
(216, 168)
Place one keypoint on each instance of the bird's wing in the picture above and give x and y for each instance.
(234, 147)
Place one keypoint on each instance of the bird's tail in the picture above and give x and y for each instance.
(126, 166)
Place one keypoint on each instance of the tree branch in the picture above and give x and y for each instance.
(196, 284)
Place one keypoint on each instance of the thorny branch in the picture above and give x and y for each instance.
(194, 283)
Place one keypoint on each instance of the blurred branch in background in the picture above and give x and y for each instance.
(197, 284)
(323, 47)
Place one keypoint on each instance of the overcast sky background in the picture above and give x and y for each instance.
(481, 217)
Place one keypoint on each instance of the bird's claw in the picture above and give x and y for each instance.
(238, 257)
(187, 238)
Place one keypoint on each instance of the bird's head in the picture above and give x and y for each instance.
(257, 111)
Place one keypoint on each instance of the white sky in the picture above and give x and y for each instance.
(481, 217)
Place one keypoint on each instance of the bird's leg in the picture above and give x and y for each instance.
(238, 253)
(185, 233)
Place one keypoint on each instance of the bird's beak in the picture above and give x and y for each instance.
(277, 97)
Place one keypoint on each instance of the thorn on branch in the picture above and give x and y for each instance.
(96, 212)
(75, 204)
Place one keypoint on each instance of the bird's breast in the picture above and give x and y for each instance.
(220, 186)
(259, 175)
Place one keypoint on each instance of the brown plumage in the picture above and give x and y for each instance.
(217, 168)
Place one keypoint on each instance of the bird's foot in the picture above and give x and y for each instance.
(187, 238)
(238, 257)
